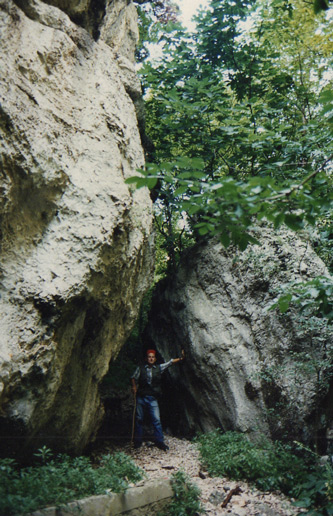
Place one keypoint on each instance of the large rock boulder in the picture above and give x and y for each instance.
(247, 368)
(76, 249)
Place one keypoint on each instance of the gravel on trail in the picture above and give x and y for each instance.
(219, 496)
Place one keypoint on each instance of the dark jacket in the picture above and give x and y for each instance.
(153, 389)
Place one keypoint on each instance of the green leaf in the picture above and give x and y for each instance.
(293, 222)
(225, 239)
(132, 180)
(141, 181)
(284, 302)
(203, 230)
(151, 182)
(194, 208)
(197, 163)
(168, 178)
(198, 175)
(242, 242)
(279, 220)
(184, 175)
(181, 190)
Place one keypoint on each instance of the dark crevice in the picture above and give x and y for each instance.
(92, 19)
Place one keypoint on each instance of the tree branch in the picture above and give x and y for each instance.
(298, 187)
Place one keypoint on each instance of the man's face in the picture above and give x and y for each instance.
(151, 359)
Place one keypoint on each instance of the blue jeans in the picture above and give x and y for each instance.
(149, 404)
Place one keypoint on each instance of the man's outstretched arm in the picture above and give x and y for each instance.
(176, 360)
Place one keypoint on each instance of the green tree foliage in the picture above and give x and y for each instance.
(241, 120)
(154, 19)
(249, 111)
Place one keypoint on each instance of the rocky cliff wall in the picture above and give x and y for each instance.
(76, 249)
(247, 368)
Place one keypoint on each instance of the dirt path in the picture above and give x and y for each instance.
(245, 500)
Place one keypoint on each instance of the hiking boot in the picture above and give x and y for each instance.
(162, 446)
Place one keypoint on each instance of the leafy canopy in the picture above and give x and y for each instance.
(242, 116)
(241, 120)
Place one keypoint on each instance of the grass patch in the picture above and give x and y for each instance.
(60, 480)
(270, 466)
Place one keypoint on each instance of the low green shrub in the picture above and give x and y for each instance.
(186, 500)
(270, 466)
(60, 480)
(315, 493)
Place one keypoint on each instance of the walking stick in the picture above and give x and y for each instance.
(133, 420)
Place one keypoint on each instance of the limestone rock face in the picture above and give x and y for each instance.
(76, 246)
(244, 367)
(114, 21)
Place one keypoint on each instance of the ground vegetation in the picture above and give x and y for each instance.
(56, 480)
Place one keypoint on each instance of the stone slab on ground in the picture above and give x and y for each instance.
(148, 497)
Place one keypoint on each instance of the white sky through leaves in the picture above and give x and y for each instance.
(188, 9)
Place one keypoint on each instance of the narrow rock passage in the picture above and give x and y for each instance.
(244, 500)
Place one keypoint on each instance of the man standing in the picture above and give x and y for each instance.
(146, 386)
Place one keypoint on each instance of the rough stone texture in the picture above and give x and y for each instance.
(239, 373)
(119, 28)
(76, 249)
